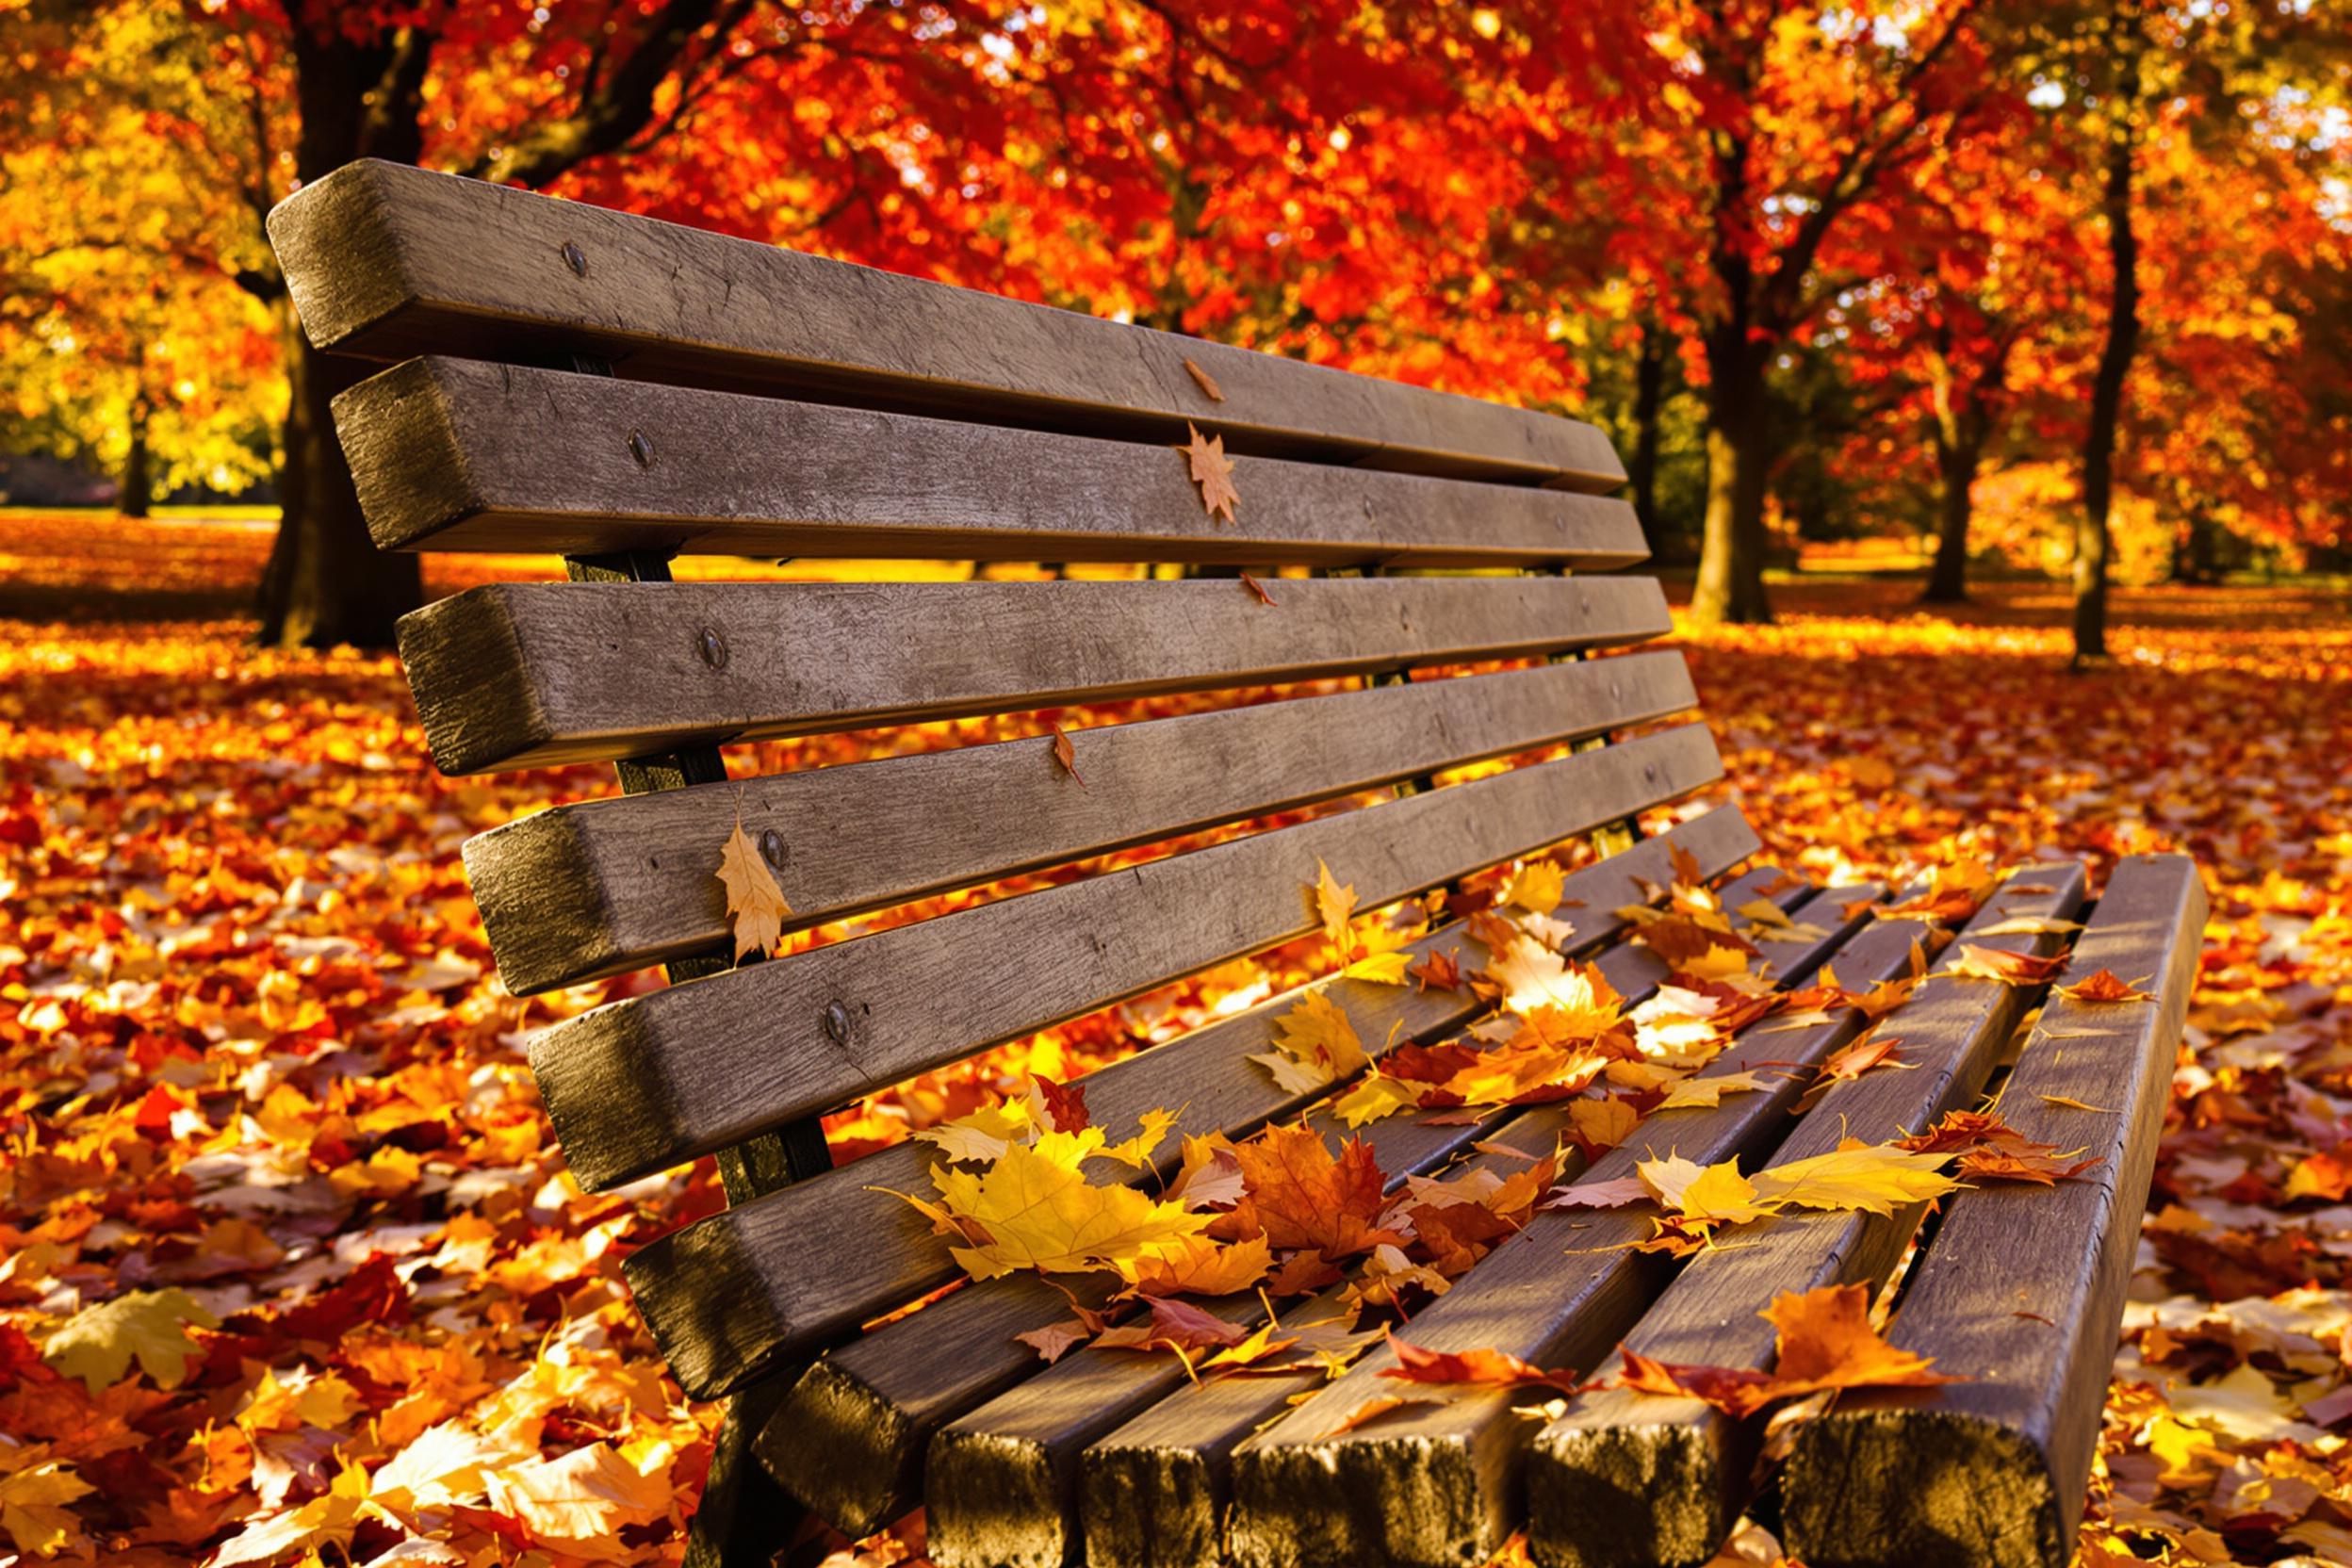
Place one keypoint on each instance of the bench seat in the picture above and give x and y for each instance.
(1448, 682)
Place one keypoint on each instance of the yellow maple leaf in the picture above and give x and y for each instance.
(1195, 1266)
(1314, 1044)
(1874, 1178)
(448, 1462)
(98, 1343)
(1711, 1194)
(1887, 995)
(1381, 969)
(754, 903)
(1377, 1096)
(1212, 471)
(2028, 925)
(1331, 905)
(578, 1501)
(983, 1134)
(1033, 1209)
(329, 1519)
(1532, 976)
(1678, 1024)
(1709, 1091)
(1537, 886)
(298, 1399)
(387, 1173)
(1524, 1067)
(1716, 963)
(1136, 1151)
(2010, 968)
(1604, 1123)
(33, 1510)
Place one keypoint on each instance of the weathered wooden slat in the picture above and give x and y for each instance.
(510, 675)
(1625, 1479)
(1415, 1486)
(1002, 1487)
(637, 1085)
(606, 886)
(386, 261)
(737, 1291)
(2022, 1288)
(455, 454)
(850, 1439)
(1154, 1493)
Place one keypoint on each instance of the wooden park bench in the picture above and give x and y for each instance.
(568, 380)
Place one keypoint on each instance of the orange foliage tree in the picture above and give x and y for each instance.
(1840, 227)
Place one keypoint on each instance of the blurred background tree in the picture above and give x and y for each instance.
(2063, 283)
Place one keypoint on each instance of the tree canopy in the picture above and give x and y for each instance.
(1832, 268)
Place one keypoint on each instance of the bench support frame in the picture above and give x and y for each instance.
(743, 1516)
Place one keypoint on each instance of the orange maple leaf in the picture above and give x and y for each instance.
(1065, 1104)
(1988, 1149)
(1857, 1058)
(1953, 893)
(1825, 1341)
(2106, 986)
(1212, 471)
(1198, 1266)
(1332, 905)
(1299, 1196)
(1055, 1340)
(1438, 971)
(1206, 382)
(1490, 1369)
(1993, 963)
(755, 902)
(1066, 754)
(1174, 1325)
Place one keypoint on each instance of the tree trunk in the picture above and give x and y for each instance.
(361, 91)
(1731, 555)
(2196, 553)
(136, 492)
(2114, 367)
(326, 585)
(326, 582)
(1649, 398)
(1956, 462)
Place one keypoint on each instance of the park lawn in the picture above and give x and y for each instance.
(251, 1050)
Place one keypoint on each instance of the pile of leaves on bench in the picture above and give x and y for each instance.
(1030, 1183)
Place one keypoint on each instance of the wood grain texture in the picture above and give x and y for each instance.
(641, 1085)
(1152, 1493)
(1441, 1485)
(512, 675)
(1001, 1484)
(606, 886)
(386, 261)
(1625, 1479)
(851, 1439)
(455, 454)
(2022, 1288)
(739, 1290)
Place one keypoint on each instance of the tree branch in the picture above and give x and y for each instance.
(612, 109)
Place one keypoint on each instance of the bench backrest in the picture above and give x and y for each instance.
(618, 390)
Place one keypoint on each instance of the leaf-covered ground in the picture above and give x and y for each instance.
(283, 1237)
